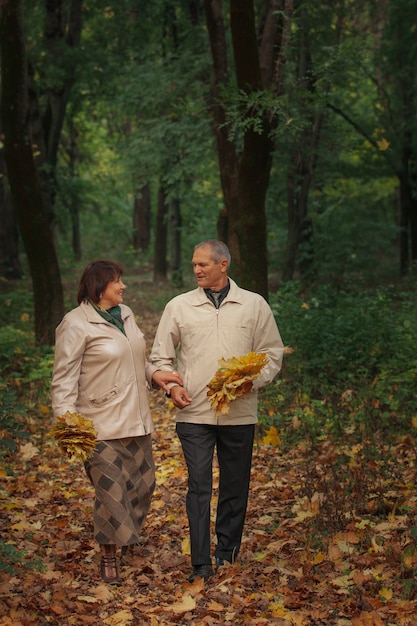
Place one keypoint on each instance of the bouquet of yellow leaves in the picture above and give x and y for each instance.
(234, 378)
(75, 435)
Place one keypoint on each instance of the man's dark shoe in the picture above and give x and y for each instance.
(220, 561)
(201, 571)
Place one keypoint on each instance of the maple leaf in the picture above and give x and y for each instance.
(120, 618)
(28, 451)
(272, 437)
(75, 435)
(234, 378)
(187, 603)
(383, 144)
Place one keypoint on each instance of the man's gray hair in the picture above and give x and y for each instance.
(219, 250)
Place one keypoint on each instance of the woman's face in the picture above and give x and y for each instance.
(113, 294)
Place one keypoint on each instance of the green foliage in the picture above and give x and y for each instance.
(12, 415)
(13, 561)
(21, 358)
(353, 366)
(25, 373)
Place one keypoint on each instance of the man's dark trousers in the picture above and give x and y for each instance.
(234, 446)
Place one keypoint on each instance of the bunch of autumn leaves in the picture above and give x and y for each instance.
(75, 435)
(233, 379)
(77, 438)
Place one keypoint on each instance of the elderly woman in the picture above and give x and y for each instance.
(100, 371)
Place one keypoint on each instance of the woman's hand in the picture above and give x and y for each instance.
(162, 377)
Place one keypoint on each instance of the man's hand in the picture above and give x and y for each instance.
(162, 377)
(180, 397)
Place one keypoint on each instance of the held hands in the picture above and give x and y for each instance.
(180, 397)
(161, 378)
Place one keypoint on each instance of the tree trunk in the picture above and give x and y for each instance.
(245, 175)
(160, 260)
(24, 183)
(9, 237)
(73, 200)
(58, 31)
(405, 212)
(175, 239)
(142, 219)
(300, 177)
(62, 37)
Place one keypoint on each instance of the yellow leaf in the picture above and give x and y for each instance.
(272, 437)
(86, 599)
(215, 606)
(383, 144)
(343, 582)
(187, 604)
(20, 526)
(319, 558)
(28, 451)
(385, 594)
(277, 609)
(185, 546)
(119, 619)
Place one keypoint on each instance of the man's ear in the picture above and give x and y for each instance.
(224, 265)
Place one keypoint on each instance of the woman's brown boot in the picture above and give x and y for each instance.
(108, 566)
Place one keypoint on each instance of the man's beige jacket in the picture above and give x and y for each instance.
(193, 333)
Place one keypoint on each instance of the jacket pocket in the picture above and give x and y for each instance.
(104, 398)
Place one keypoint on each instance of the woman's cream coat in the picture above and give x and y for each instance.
(199, 334)
(102, 374)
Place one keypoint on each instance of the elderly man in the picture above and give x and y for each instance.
(216, 320)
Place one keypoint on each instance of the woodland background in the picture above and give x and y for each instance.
(287, 128)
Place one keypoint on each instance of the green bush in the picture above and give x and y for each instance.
(353, 361)
(12, 419)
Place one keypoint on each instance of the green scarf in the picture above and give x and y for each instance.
(112, 315)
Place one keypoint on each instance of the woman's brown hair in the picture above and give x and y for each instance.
(95, 278)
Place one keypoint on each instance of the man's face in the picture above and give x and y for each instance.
(209, 274)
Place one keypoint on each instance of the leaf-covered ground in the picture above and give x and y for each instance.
(279, 579)
(360, 572)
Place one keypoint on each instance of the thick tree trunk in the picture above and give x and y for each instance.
(57, 32)
(247, 220)
(245, 174)
(10, 266)
(62, 37)
(24, 183)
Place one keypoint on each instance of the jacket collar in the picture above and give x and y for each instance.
(199, 296)
(95, 318)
